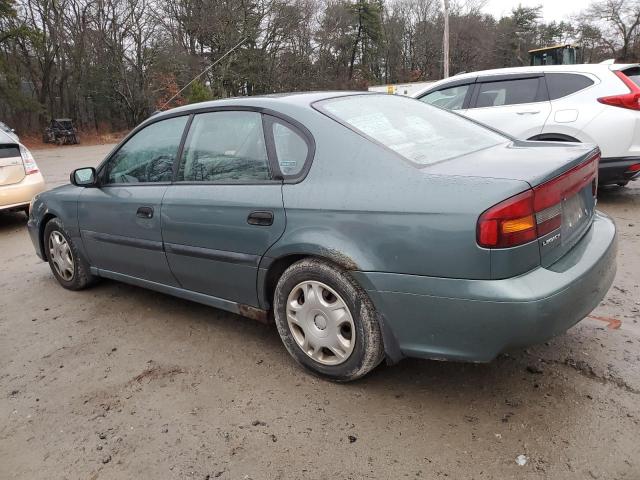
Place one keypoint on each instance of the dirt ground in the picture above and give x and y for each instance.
(120, 382)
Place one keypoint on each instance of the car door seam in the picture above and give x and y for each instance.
(161, 220)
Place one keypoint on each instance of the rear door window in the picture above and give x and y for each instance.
(225, 147)
(509, 92)
(451, 98)
(563, 84)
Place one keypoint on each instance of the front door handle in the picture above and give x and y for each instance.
(261, 217)
(145, 212)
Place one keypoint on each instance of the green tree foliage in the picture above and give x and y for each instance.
(199, 92)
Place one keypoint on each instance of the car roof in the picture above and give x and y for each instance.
(594, 68)
(5, 138)
(299, 99)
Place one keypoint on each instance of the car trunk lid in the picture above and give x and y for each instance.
(11, 166)
(532, 162)
(558, 209)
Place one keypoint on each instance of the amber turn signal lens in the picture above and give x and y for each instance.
(518, 224)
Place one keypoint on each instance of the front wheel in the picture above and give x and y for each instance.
(326, 321)
(67, 263)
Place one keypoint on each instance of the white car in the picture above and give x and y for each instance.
(9, 131)
(597, 104)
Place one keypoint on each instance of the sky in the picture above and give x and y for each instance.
(551, 10)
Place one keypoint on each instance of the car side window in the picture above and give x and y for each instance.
(563, 84)
(225, 147)
(451, 98)
(508, 92)
(291, 148)
(149, 155)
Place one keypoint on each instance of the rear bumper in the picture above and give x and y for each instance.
(612, 170)
(475, 320)
(20, 194)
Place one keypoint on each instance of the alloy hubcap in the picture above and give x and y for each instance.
(60, 255)
(320, 322)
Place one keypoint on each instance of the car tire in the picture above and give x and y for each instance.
(326, 321)
(69, 266)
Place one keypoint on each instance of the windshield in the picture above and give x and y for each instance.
(420, 133)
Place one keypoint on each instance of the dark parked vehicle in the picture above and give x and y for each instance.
(367, 225)
(60, 131)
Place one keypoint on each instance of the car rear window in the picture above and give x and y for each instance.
(9, 151)
(563, 84)
(633, 74)
(419, 132)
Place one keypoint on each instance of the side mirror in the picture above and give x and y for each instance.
(84, 177)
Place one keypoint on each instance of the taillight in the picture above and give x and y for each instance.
(509, 223)
(535, 212)
(30, 165)
(632, 170)
(626, 100)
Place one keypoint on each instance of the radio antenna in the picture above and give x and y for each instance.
(203, 72)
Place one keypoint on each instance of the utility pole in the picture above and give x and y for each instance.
(445, 40)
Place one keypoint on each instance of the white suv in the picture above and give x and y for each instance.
(572, 103)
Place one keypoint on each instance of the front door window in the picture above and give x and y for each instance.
(149, 155)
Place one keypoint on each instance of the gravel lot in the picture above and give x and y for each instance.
(120, 382)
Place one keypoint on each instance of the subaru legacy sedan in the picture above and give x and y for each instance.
(366, 226)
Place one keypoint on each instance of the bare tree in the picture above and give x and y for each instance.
(618, 22)
(109, 63)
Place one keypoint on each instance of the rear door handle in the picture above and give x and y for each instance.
(145, 212)
(528, 112)
(261, 217)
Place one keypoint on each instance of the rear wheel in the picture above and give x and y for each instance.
(326, 321)
(67, 263)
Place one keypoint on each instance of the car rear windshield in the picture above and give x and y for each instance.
(634, 74)
(421, 133)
